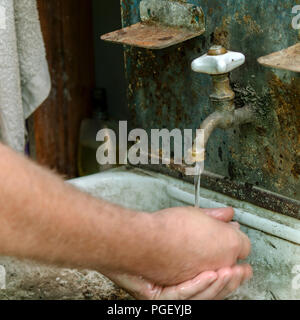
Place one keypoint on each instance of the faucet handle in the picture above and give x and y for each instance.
(218, 61)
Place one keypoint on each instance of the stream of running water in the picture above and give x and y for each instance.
(199, 170)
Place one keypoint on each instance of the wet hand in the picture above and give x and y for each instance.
(193, 241)
(206, 286)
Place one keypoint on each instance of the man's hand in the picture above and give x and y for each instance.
(188, 241)
(208, 285)
(46, 220)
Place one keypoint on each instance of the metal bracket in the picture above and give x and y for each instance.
(164, 23)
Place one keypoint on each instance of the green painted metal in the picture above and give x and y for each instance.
(163, 92)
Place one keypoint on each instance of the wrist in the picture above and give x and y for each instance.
(147, 246)
(126, 242)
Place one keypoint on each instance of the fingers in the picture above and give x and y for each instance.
(208, 285)
(224, 277)
(222, 214)
(240, 274)
(229, 280)
(190, 288)
(226, 215)
(236, 225)
(245, 245)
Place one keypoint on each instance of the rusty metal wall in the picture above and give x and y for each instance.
(163, 92)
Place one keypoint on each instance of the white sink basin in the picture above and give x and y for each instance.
(275, 238)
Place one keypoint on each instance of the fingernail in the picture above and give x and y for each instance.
(212, 279)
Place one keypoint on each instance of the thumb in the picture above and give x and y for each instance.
(222, 214)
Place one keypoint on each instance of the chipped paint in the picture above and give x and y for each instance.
(164, 92)
(173, 14)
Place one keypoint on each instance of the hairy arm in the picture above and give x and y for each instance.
(46, 220)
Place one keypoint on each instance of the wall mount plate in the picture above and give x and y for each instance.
(287, 59)
(163, 24)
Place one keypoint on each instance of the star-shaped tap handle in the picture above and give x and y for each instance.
(218, 61)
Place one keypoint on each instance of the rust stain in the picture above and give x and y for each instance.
(271, 147)
(269, 164)
(253, 26)
(247, 20)
(221, 35)
(125, 9)
(296, 169)
(154, 71)
(286, 98)
(150, 35)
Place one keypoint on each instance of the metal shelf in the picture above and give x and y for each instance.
(287, 59)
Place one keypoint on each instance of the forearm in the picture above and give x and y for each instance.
(46, 220)
(43, 219)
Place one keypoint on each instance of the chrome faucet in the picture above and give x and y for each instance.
(219, 62)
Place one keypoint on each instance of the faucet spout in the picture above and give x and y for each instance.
(226, 120)
(209, 125)
(221, 120)
(222, 97)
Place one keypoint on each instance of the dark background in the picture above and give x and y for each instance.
(79, 62)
